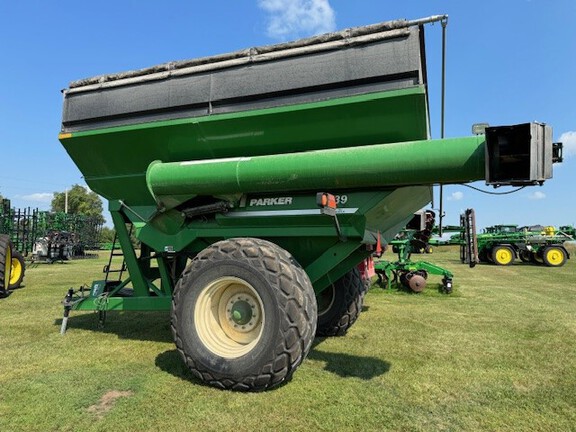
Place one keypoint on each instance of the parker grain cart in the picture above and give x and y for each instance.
(257, 181)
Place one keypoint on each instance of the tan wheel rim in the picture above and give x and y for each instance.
(229, 317)
(325, 300)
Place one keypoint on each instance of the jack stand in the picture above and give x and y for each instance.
(101, 319)
(67, 302)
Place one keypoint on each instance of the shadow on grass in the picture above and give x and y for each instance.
(349, 365)
(142, 326)
(170, 361)
(343, 365)
(155, 326)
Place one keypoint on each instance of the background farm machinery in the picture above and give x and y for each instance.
(17, 228)
(503, 244)
(414, 238)
(41, 236)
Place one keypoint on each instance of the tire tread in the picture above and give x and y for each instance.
(298, 326)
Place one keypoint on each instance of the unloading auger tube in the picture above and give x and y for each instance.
(458, 160)
(509, 155)
(215, 166)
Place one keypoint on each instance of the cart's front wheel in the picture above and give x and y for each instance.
(243, 315)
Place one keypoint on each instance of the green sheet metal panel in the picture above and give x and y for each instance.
(114, 160)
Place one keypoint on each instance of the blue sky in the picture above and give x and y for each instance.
(508, 62)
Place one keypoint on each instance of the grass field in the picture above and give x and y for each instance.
(499, 354)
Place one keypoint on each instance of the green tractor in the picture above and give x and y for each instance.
(503, 244)
(13, 233)
(255, 183)
(12, 266)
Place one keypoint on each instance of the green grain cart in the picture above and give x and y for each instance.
(228, 169)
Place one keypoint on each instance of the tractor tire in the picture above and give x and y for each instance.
(483, 255)
(536, 257)
(17, 271)
(340, 304)
(5, 263)
(524, 255)
(243, 315)
(554, 256)
(503, 255)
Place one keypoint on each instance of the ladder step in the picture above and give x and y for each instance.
(113, 253)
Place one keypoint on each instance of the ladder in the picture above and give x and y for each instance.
(116, 251)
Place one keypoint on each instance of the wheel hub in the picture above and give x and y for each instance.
(242, 313)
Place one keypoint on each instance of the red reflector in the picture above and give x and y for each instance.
(331, 201)
(326, 200)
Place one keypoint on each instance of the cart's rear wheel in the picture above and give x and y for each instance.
(340, 304)
(5, 263)
(17, 270)
(554, 256)
(243, 315)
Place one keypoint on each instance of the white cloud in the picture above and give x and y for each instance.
(538, 195)
(298, 18)
(43, 197)
(456, 196)
(569, 141)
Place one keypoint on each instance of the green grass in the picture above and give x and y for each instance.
(497, 354)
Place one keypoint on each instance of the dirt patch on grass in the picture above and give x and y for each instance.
(107, 402)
